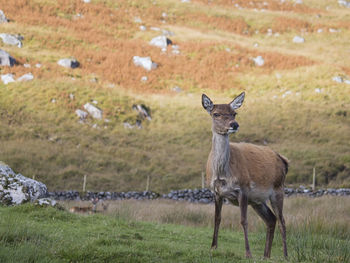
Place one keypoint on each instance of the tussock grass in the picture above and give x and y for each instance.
(29, 233)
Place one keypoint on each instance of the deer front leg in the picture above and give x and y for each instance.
(243, 205)
(218, 207)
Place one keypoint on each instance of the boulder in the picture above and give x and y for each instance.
(344, 3)
(3, 18)
(13, 40)
(7, 78)
(26, 77)
(93, 111)
(16, 189)
(161, 42)
(68, 63)
(144, 62)
(6, 59)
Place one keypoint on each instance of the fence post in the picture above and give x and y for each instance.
(203, 180)
(313, 178)
(84, 183)
(147, 183)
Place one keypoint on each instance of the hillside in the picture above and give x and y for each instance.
(297, 102)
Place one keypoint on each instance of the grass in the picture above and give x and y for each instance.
(34, 234)
(217, 42)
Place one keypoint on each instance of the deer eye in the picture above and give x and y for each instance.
(216, 115)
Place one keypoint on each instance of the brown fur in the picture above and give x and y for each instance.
(244, 174)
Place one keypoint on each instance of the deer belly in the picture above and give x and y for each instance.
(257, 195)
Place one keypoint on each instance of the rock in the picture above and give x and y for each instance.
(93, 111)
(143, 111)
(143, 28)
(26, 77)
(259, 61)
(3, 18)
(7, 78)
(26, 65)
(333, 30)
(176, 89)
(144, 78)
(13, 40)
(6, 59)
(68, 63)
(160, 41)
(144, 62)
(38, 65)
(47, 202)
(17, 189)
(87, 1)
(344, 3)
(81, 114)
(298, 39)
(338, 79)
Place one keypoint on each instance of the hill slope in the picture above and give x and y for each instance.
(292, 104)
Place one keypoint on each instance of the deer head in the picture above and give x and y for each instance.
(223, 115)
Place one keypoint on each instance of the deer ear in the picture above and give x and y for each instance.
(238, 101)
(207, 103)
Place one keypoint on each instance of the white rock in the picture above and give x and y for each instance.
(143, 28)
(299, 2)
(144, 62)
(144, 79)
(318, 90)
(95, 102)
(155, 28)
(298, 39)
(259, 61)
(320, 30)
(137, 20)
(93, 111)
(26, 77)
(347, 81)
(68, 63)
(344, 3)
(338, 79)
(160, 41)
(6, 59)
(26, 65)
(185, 1)
(17, 189)
(38, 65)
(332, 30)
(87, 1)
(81, 114)
(3, 18)
(11, 40)
(7, 78)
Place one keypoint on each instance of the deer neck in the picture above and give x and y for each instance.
(220, 155)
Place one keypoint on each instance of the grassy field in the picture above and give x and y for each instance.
(292, 103)
(318, 231)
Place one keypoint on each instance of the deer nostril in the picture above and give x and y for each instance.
(234, 125)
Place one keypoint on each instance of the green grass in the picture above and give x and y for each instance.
(35, 234)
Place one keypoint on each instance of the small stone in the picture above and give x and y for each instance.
(7, 78)
(38, 65)
(144, 79)
(318, 90)
(6, 59)
(338, 79)
(68, 63)
(53, 100)
(71, 96)
(137, 20)
(26, 77)
(11, 39)
(144, 62)
(298, 39)
(259, 61)
(320, 30)
(176, 89)
(93, 111)
(332, 30)
(26, 65)
(161, 42)
(81, 114)
(3, 18)
(143, 28)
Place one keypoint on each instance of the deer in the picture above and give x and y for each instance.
(244, 174)
(86, 209)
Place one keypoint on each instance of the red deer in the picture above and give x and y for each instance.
(244, 174)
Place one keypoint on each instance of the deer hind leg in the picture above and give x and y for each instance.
(243, 205)
(218, 207)
(270, 220)
(277, 207)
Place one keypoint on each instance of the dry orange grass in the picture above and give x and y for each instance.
(274, 5)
